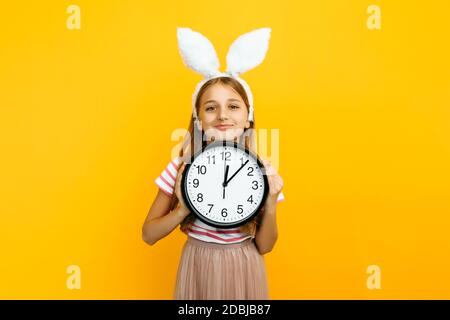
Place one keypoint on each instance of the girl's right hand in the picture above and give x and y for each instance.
(183, 209)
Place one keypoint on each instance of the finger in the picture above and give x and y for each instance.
(180, 174)
(281, 180)
(270, 171)
(278, 186)
(267, 167)
(274, 188)
(271, 184)
(180, 171)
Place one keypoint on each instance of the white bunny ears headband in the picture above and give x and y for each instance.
(245, 53)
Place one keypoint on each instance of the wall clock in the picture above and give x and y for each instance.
(224, 184)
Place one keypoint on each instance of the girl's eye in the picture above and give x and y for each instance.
(234, 107)
(209, 108)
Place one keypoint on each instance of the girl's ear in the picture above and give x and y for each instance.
(247, 124)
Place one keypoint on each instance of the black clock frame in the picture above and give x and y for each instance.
(191, 207)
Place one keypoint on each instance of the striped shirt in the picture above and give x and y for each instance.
(200, 230)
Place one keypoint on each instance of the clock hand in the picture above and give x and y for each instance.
(236, 172)
(225, 179)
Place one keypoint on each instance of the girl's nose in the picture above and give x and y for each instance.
(223, 114)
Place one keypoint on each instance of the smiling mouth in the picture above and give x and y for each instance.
(223, 127)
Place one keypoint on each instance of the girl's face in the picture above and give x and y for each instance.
(223, 113)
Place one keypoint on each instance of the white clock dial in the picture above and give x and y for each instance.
(225, 185)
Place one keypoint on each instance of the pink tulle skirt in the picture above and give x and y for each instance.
(213, 271)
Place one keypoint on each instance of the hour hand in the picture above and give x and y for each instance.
(224, 184)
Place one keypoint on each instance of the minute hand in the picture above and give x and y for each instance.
(236, 172)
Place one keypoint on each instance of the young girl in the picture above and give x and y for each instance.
(217, 263)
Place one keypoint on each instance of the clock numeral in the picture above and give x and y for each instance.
(239, 209)
(255, 185)
(224, 212)
(250, 171)
(196, 183)
(213, 159)
(200, 197)
(210, 204)
(250, 199)
(226, 155)
(201, 169)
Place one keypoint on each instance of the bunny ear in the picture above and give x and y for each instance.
(197, 52)
(248, 51)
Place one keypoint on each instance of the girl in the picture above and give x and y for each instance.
(216, 263)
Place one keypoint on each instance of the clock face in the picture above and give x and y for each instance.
(224, 185)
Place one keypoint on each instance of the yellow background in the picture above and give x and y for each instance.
(86, 118)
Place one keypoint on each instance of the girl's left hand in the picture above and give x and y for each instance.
(275, 181)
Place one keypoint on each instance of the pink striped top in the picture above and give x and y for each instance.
(200, 230)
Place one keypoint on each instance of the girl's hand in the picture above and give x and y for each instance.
(275, 182)
(183, 209)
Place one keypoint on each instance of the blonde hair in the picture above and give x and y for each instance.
(193, 143)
